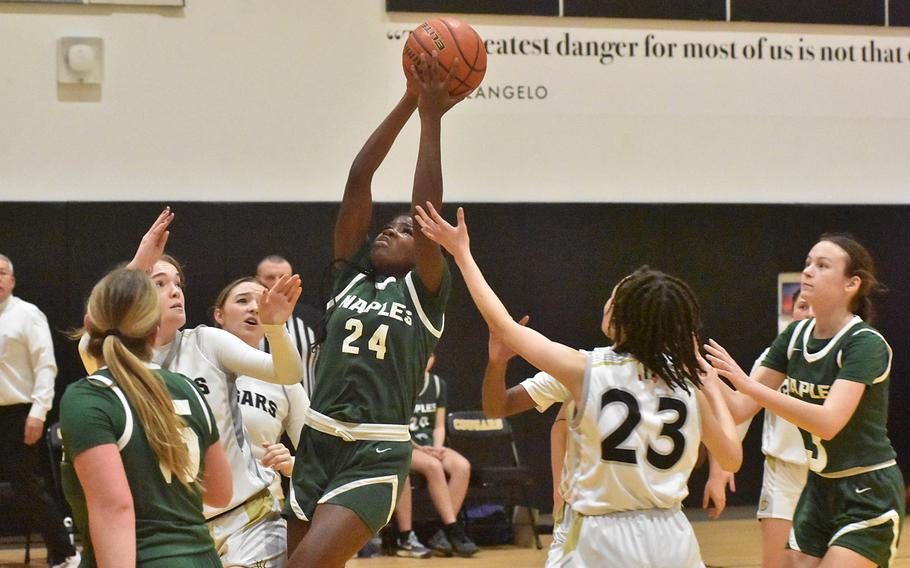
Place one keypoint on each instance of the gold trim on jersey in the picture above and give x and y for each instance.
(887, 372)
(572, 533)
(437, 333)
(614, 363)
(891, 516)
(351, 432)
(821, 353)
(390, 479)
(856, 470)
(357, 278)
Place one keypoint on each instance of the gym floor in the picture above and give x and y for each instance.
(732, 542)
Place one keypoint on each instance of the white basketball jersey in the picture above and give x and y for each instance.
(781, 439)
(633, 441)
(186, 355)
(268, 411)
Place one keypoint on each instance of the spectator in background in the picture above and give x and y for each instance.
(302, 326)
(27, 373)
(447, 473)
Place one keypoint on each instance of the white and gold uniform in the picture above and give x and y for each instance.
(786, 464)
(632, 444)
(270, 410)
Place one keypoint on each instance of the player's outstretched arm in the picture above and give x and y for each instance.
(718, 431)
(433, 101)
(824, 420)
(741, 406)
(151, 247)
(558, 432)
(497, 400)
(564, 363)
(353, 221)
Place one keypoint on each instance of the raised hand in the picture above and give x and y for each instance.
(707, 374)
(725, 365)
(432, 86)
(499, 352)
(278, 458)
(151, 247)
(277, 303)
(434, 227)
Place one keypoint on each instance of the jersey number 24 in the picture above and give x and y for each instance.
(376, 344)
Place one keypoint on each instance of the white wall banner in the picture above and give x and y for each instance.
(228, 100)
(671, 72)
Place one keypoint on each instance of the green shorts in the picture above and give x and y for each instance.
(201, 560)
(863, 513)
(363, 476)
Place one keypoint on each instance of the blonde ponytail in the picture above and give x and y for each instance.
(123, 318)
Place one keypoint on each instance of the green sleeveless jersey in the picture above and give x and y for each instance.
(379, 335)
(431, 398)
(169, 520)
(856, 353)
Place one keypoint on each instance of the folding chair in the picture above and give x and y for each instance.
(489, 446)
(55, 451)
(6, 498)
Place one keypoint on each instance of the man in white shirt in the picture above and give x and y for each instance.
(27, 373)
(302, 326)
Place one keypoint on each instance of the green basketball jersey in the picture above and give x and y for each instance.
(431, 398)
(380, 334)
(856, 353)
(169, 521)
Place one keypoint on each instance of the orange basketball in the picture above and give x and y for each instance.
(450, 38)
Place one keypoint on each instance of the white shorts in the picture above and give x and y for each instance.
(252, 534)
(781, 487)
(657, 538)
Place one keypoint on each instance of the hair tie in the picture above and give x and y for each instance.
(114, 332)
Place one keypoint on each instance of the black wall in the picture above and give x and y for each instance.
(557, 263)
(845, 12)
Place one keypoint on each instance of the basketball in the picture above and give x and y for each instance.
(450, 38)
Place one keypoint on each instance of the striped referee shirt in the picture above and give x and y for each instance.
(304, 338)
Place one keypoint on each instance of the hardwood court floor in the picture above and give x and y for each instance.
(724, 544)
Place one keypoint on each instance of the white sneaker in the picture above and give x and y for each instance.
(412, 547)
(71, 562)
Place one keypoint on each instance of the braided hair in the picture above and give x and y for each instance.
(656, 319)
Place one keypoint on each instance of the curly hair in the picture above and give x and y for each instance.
(656, 319)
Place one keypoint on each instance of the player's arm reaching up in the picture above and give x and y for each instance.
(497, 400)
(353, 223)
(433, 102)
(565, 364)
